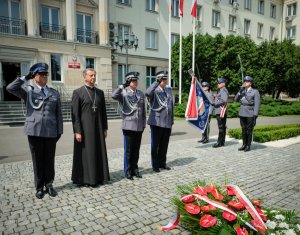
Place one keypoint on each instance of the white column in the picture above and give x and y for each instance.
(103, 22)
(32, 19)
(70, 19)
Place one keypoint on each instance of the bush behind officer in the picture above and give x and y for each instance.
(249, 99)
(43, 124)
(132, 101)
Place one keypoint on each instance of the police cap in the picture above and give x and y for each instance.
(205, 84)
(162, 75)
(39, 68)
(132, 76)
(248, 79)
(221, 80)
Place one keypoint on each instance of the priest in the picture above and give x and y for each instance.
(90, 164)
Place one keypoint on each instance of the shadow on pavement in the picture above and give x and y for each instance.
(178, 133)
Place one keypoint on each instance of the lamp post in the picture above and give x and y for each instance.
(128, 41)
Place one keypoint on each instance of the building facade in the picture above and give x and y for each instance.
(71, 35)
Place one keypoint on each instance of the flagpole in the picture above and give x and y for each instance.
(170, 46)
(193, 59)
(180, 60)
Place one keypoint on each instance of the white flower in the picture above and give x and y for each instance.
(290, 232)
(274, 211)
(281, 217)
(283, 225)
(271, 224)
(298, 226)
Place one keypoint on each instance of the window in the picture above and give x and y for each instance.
(175, 8)
(260, 30)
(199, 13)
(55, 68)
(90, 63)
(232, 23)
(174, 38)
(247, 27)
(125, 2)
(151, 5)
(232, 1)
(150, 75)
(261, 6)
(151, 39)
(291, 9)
(215, 19)
(272, 33)
(121, 73)
(248, 4)
(122, 30)
(291, 32)
(50, 18)
(10, 8)
(84, 28)
(273, 11)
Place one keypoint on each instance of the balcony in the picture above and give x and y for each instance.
(87, 36)
(53, 31)
(12, 26)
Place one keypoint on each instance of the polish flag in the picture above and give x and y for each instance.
(194, 8)
(181, 7)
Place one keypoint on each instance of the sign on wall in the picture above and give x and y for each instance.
(73, 62)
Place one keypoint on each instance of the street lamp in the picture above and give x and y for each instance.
(128, 41)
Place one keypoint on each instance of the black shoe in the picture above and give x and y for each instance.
(156, 170)
(129, 176)
(247, 149)
(200, 141)
(51, 191)
(242, 148)
(40, 194)
(166, 167)
(217, 145)
(205, 141)
(137, 174)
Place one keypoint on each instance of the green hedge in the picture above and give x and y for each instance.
(269, 107)
(269, 133)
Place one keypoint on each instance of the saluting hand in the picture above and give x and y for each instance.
(78, 137)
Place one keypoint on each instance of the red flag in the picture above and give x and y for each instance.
(194, 8)
(181, 7)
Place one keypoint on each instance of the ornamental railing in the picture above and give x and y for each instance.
(12, 26)
(53, 31)
(87, 36)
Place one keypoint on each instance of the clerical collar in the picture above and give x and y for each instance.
(89, 86)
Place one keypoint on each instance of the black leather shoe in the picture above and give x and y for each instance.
(129, 176)
(200, 141)
(242, 148)
(40, 194)
(51, 191)
(137, 174)
(166, 167)
(156, 170)
(205, 141)
(247, 149)
(217, 145)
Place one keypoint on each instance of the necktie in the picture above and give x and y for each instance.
(43, 91)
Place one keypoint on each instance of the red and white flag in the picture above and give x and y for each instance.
(194, 8)
(181, 7)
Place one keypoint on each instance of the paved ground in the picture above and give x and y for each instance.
(139, 206)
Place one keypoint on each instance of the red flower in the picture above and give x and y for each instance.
(236, 205)
(241, 231)
(261, 214)
(216, 194)
(205, 208)
(259, 227)
(187, 198)
(228, 216)
(200, 190)
(256, 203)
(210, 188)
(192, 209)
(230, 192)
(211, 207)
(208, 221)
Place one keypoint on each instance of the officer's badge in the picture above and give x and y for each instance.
(36, 101)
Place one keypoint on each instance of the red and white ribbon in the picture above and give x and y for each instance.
(172, 224)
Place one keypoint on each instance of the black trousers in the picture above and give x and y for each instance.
(205, 134)
(222, 128)
(247, 124)
(132, 144)
(159, 146)
(43, 154)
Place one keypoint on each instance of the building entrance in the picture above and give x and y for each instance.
(10, 71)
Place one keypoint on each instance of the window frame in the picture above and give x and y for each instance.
(123, 2)
(86, 64)
(291, 29)
(261, 7)
(123, 31)
(175, 8)
(121, 77)
(149, 4)
(54, 73)
(248, 22)
(291, 9)
(271, 33)
(232, 23)
(147, 39)
(150, 78)
(216, 19)
(174, 38)
(248, 4)
(260, 30)
(273, 10)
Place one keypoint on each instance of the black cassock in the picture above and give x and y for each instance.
(90, 165)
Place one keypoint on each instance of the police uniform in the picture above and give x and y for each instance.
(250, 101)
(220, 106)
(43, 125)
(161, 119)
(133, 124)
(205, 135)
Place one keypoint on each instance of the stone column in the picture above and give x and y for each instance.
(32, 19)
(103, 22)
(70, 19)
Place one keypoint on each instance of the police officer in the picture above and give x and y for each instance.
(220, 105)
(205, 135)
(249, 99)
(43, 125)
(132, 101)
(161, 119)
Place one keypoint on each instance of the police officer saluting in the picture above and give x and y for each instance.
(161, 119)
(249, 99)
(43, 125)
(132, 101)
